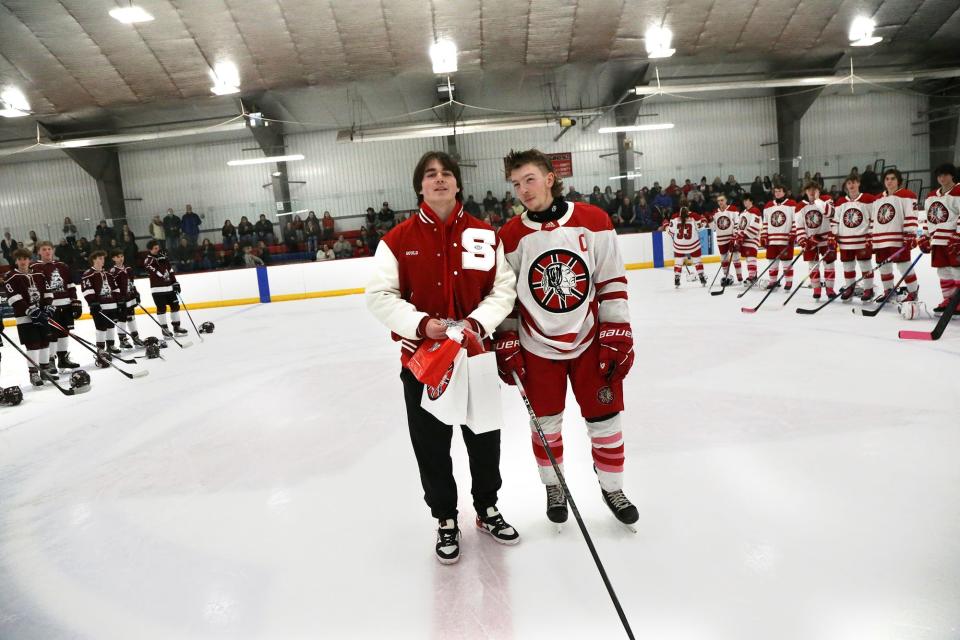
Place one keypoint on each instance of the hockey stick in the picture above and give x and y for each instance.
(573, 506)
(719, 269)
(184, 305)
(183, 345)
(802, 282)
(767, 268)
(72, 391)
(120, 329)
(773, 287)
(941, 324)
(93, 346)
(893, 292)
(106, 357)
(850, 287)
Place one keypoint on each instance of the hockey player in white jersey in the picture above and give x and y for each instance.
(813, 224)
(895, 234)
(724, 224)
(571, 321)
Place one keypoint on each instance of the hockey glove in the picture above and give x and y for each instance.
(176, 287)
(76, 309)
(924, 243)
(136, 296)
(869, 247)
(509, 356)
(94, 308)
(909, 241)
(616, 350)
(37, 314)
(810, 244)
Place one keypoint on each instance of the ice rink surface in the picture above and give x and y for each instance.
(797, 478)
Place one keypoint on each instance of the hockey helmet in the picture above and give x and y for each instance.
(153, 351)
(910, 310)
(206, 327)
(151, 340)
(11, 396)
(79, 379)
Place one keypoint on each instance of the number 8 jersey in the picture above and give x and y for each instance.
(569, 274)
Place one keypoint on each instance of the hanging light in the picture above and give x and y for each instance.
(443, 55)
(861, 32)
(13, 104)
(226, 79)
(658, 41)
(130, 14)
(636, 127)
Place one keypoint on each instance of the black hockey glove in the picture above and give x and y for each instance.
(94, 308)
(176, 287)
(76, 309)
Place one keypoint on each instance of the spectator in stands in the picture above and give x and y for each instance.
(245, 231)
(98, 244)
(608, 194)
(687, 187)
(31, 244)
(190, 224)
(371, 237)
(767, 186)
(869, 182)
(171, 229)
(732, 189)
(128, 244)
(250, 260)
(264, 252)
(818, 179)
(757, 191)
(156, 231)
(644, 216)
(66, 252)
(370, 219)
(596, 197)
(472, 207)
(312, 231)
(664, 204)
(69, 231)
(325, 253)
(655, 190)
(506, 203)
(573, 195)
(703, 187)
(208, 255)
(385, 217)
(104, 232)
(83, 252)
(8, 245)
(342, 248)
(329, 224)
(184, 256)
(697, 201)
(298, 228)
(490, 203)
(625, 212)
(229, 234)
(716, 187)
(290, 238)
(359, 250)
(264, 230)
(673, 190)
(834, 191)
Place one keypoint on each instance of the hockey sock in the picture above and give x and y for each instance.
(43, 356)
(886, 276)
(752, 268)
(63, 344)
(111, 335)
(725, 264)
(830, 275)
(34, 355)
(911, 279)
(698, 265)
(606, 439)
(132, 326)
(162, 319)
(100, 337)
(866, 268)
(849, 273)
(774, 269)
(100, 344)
(736, 266)
(550, 425)
(814, 276)
(175, 316)
(788, 272)
(677, 265)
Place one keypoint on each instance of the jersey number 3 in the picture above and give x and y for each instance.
(478, 249)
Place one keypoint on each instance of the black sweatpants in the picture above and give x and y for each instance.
(431, 443)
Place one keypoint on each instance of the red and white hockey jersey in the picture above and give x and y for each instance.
(749, 223)
(894, 216)
(570, 278)
(778, 222)
(685, 233)
(853, 221)
(941, 219)
(724, 223)
(813, 220)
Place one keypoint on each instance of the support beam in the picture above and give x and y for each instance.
(270, 138)
(625, 114)
(944, 131)
(790, 109)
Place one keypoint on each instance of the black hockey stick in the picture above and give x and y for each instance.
(941, 324)
(726, 275)
(105, 356)
(850, 287)
(773, 287)
(573, 506)
(182, 345)
(67, 391)
(767, 268)
(893, 292)
(121, 330)
(184, 305)
(93, 346)
(802, 282)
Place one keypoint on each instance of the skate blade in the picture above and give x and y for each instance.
(629, 527)
(139, 374)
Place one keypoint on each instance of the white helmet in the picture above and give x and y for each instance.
(910, 310)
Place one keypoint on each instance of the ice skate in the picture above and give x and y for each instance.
(847, 294)
(676, 281)
(64, 362)
(179, 331)
(556, 505)
(448, 542)
(35, 378)
(726, 281)
(136, 340)
(621, 508)
(493, 523)
(831, 293)
(103, 359)
(112, 349)
(166, 332)
(124, 342)
(703, 279)
(50, 370)
(867, 295)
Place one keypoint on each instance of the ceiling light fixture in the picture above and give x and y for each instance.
(226, 79)
(658, 41)
(637, 127)
(130, 15)
(861, 32)
(628, 176)
(71, 144)
(14, 104)
(443, 55)
(483, 125)
(264, 160)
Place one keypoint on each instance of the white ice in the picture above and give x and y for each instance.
(797, 478)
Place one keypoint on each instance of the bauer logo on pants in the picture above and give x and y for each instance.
(852, 218)
(937, 213)
(885, 213)
(559, 280)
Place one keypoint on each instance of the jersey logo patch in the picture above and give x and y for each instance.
(886, 213)
(559, 280)
(605, 395)
(56, 281)
(813, 219)
(437, 391)
(937, 213)
(723, 223)
(852, 218)
(778, 219)
(743, 224)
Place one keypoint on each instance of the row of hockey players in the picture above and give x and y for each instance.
(857, 227)
(46, 304)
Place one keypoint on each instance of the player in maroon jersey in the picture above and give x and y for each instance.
(164, 287)
(128, 300)
(27, 293)
(101, 293)
(442, 264)
(65, 305)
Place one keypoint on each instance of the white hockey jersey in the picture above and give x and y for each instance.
(724, 223)
(570, 278)
(685, 233)
(943, 210)
(894, 216)
(749, 223)
(813, 220)
(778, 222)
(853, 221)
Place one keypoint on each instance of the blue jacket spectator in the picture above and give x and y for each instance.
(190, 224)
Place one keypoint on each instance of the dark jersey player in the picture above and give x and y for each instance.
(101, 293)
(65, 305)
(127, 301)
(27, 293)
(164, 288)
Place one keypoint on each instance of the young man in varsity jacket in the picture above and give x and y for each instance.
(443, 264)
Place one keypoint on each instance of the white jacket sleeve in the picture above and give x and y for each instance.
(383, 296)
(499, 302)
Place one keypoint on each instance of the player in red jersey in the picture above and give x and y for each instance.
(779, 236)
(684, 229)
(572, 321)
(895, 230)
(444, 264)
(941, 239)
(65, 305)
(747, 238)
(852, 227)
(27, 293)
(813, 219)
